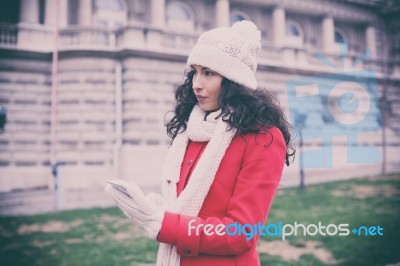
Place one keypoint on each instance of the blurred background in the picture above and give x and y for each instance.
(85, 86)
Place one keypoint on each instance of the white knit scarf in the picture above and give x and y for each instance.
(192, 197)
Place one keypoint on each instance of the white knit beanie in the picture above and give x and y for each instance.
(231, 52)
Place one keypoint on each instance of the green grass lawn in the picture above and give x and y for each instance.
(105, 237)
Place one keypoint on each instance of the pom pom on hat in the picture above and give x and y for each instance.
(232, 52)
(247, 29)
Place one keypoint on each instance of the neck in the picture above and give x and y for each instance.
(209, 112)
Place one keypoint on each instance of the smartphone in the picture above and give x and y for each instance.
(120, 188)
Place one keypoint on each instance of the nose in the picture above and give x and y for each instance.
(197, 82)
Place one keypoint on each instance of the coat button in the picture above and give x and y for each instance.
(187, 251)
(190, 162)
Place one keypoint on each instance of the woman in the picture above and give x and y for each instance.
(230, 142)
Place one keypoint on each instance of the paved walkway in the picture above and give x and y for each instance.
(43, 201)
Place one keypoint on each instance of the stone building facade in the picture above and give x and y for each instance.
(119, 62)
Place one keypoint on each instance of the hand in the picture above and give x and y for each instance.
(146, 211)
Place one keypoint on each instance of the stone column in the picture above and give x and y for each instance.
(85, 13)
(279, 26)
(328, 34)
(50, 12)
(370, 36)
(63, 19)
(29, 11)
(222, 13)
(158, 13)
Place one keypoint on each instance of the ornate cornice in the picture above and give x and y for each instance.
(336, 9)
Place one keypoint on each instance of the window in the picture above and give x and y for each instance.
(339, 37)
(379, 39)
(294, 35)
(110, 14)
(9, 11)
(237, 15)
(116, 5)
(42, 9)
(180, 16)
(293, 29)
(73, 11)
(177, 11)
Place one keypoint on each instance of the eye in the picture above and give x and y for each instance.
(209, 73)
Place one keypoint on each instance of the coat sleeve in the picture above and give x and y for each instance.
(252, 197)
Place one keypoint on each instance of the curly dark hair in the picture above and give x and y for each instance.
(247, 110)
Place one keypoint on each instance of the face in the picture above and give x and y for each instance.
(206, 87)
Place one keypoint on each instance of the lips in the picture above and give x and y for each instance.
(200, 98)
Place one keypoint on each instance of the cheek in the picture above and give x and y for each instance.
(216, 89)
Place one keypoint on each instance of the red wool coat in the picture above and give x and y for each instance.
(242, 191)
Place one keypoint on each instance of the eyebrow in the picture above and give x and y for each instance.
(202, 68)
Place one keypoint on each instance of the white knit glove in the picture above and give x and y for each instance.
(146, 211)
